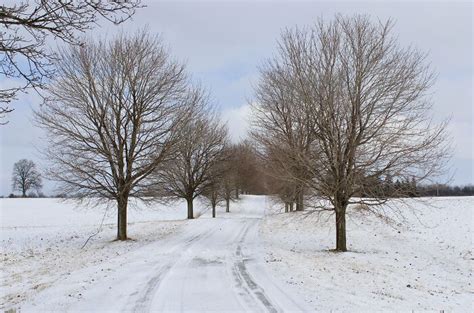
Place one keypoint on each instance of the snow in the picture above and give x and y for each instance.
(423, 262)
(252, 259)
(41, 239)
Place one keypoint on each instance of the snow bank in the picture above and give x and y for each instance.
(421, 263)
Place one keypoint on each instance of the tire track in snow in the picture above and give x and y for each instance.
(245, 281)
(250, 293)
(143, 304)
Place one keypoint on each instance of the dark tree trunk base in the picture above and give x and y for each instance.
(122, 204)
(341, 244)
(190, 209)
(127, 239)
(337, 251)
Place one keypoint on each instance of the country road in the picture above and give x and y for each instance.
(208, 265)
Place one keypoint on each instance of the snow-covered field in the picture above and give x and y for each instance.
(41, 240)
(252, 259)
(422, 263)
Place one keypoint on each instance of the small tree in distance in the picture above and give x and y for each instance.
(213, 192)
(228, 177)
(201, 147)
(217, 190)
(26, 177)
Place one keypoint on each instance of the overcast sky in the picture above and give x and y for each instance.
(223, 42)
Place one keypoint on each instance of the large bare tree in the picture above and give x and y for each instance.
(26, 176)
(26, 27)
(367, 100)
(203, 141)
(113, 117)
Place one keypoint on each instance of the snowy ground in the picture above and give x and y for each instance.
(252, 259)
(422, 263)
(41, 240)
(203, 265)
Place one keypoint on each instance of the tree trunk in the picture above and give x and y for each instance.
(299, 201)
(287, 207)
(122, 218)
(298, 208)
(213, 210)
(23, 191)
(227, 205)
(237, 193)
(190, 208)
(291, 206)
(341, 229)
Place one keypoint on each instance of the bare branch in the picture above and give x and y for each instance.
(26, 27)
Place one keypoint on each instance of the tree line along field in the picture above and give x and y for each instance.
(341, 111)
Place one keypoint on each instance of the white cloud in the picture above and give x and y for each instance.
(238, 122)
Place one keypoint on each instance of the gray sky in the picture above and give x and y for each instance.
(223, 42)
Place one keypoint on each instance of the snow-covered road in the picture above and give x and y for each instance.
(208, 265)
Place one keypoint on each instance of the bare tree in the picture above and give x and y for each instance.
(26, 27)
(26, 177)
(213, 194)
(215, 190)
(234, 179)
(113, 117)
(227, 189)
(228, 176)
(282, 126)
(282, 182)
(367, 101)
(190, 173)
(221, 186)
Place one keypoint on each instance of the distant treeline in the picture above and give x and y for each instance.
(433, 190)
(399, 188)
(444, 190)
(32, 195)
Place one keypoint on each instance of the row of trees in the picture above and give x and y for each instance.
(443, 190)
(388, 188)
(124, 119)
(340, 106)
(240, 171)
